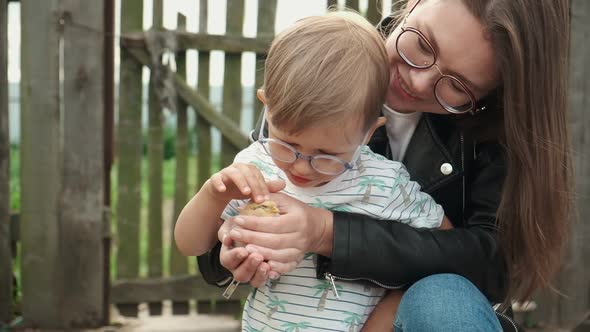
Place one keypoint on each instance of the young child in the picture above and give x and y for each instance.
(324, 86)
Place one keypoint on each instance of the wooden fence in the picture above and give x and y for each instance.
(64, 230)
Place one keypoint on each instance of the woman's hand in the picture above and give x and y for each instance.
(283, 240)
(245, 267)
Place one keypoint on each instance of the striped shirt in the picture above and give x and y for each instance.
(376, 187)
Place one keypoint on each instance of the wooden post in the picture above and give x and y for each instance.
(5, 238)
(574, 279)
(41, 171)
(203, 127)
(332, 4)
(232, 82)
(108, 125)
(178, 262)
(155, 151)
(129, 153)
(266, 25)
(232, 98)
(374, 12)
(353, 4)
(82, 190)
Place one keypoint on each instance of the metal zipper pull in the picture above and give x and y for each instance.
(330, 278)
(231, 288)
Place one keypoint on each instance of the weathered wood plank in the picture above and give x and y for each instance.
(175, 287)
(82, 190)
(204, 162)
(155, 152)
(228, 128)
(232, 79)
(374, 11)
(178, 262)
(40, 163)
(574, 278)
(129, 148)
(129, 152)
(203, 128)
(5, 236)
(353, 4)
(266, 25)
(229, 43)
(108, 139)
(332, 4)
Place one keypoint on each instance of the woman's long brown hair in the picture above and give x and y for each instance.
(531, 41)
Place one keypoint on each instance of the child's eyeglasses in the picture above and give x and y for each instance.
(286, 153)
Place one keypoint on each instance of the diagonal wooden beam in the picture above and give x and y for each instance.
(183, 40)
(227, 127)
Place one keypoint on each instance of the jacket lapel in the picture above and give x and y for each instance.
(425, 155)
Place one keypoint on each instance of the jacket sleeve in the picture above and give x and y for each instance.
(211, 268)
(397, 255)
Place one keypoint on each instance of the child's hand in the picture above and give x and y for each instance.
(241, 181)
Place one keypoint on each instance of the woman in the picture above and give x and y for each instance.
(477, 112)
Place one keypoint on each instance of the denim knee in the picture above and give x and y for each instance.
(445, 302)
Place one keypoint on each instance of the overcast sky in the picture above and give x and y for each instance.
(287, 12)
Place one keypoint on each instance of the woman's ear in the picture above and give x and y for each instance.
(260, 95)
(378, 123)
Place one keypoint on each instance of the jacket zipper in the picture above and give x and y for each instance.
(508, 319)
(463, 169)
(332, 279)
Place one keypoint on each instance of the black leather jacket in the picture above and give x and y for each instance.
(395, 255)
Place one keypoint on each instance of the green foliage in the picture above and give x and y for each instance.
(169, 143)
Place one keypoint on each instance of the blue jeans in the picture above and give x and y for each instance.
(445, 302)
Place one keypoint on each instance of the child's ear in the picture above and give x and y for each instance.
(378, 123)
(260, 95)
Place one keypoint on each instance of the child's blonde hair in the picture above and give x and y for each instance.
(324, 68)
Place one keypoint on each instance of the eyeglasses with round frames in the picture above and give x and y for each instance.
(286, 153)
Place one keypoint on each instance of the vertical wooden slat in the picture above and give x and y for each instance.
(574, 277)
(232, 97)
(203, 127)
(232, 82)
(353, 4)
(108, 125)
(178, 262)
(82, 190)
(129, 152)
(374, 11)
(266, 25)
(332, 4)
(5, 238)
(155, 151)
(40, 163)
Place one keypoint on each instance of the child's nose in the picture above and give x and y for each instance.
(302, 167)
